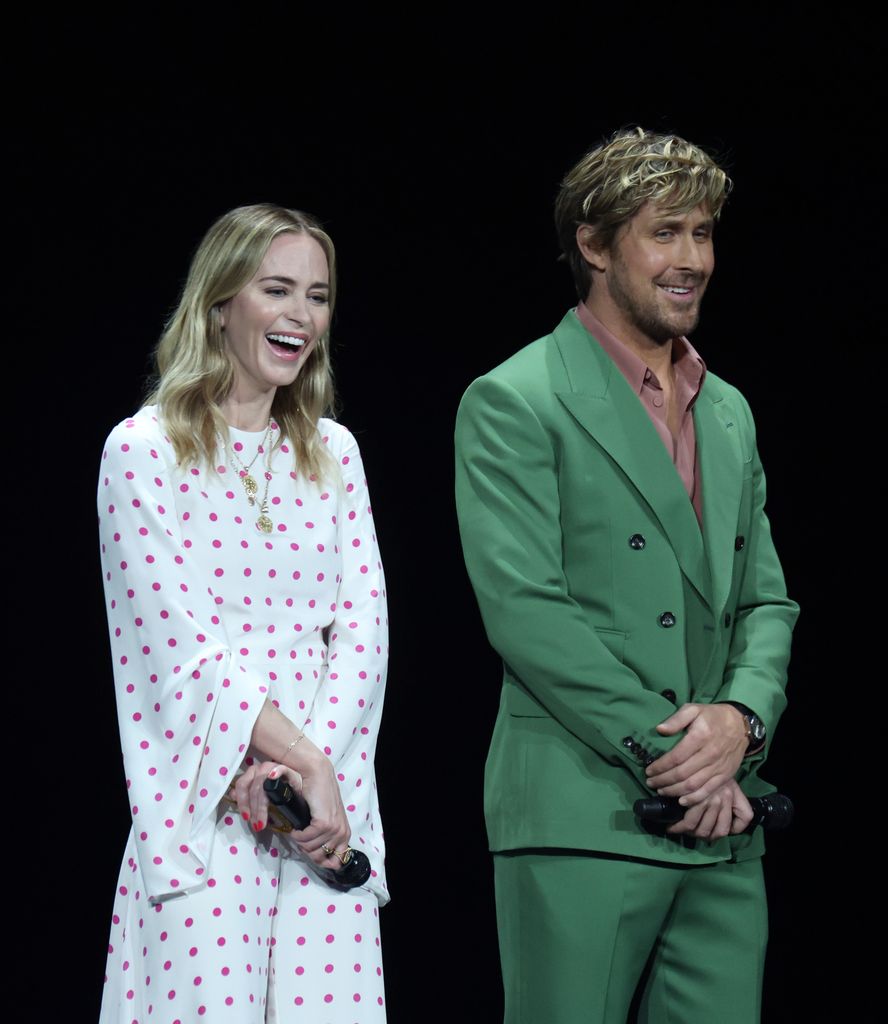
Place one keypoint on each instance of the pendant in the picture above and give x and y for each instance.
(264, 523)
(250, 485)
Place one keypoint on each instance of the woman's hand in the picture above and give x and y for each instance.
(329, 825)
(317, 783)
(249, 790)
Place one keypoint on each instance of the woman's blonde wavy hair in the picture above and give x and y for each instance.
(613, 181)
(194, 372)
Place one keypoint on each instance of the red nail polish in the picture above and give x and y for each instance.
(258, 826)
(245, 815)
(272, 775)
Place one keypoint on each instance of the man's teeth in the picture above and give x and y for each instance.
(677, 291)
(285, 339)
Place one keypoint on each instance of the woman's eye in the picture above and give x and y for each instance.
(319, 300)
(276, 291)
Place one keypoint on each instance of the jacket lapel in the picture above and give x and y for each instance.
(721, 470)
(602, 402)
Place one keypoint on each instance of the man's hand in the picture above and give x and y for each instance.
(708, 756)
(724, 812)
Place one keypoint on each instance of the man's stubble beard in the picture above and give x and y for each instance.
(646, 317)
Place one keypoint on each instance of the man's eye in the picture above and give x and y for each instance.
(663, 235)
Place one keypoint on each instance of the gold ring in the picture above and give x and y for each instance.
(328, 851)
(345, 856)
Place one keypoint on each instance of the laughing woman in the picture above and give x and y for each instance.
(246, 606)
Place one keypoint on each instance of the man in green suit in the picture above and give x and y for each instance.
(611, 506)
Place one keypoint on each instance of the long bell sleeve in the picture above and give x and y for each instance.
(186, 701)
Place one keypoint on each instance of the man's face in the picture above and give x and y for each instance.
(656, 272)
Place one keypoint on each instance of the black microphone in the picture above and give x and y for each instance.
(773, 811)
(293, 806)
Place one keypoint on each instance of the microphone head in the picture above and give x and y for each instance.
(774, 811)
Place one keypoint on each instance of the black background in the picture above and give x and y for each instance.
(431, 148)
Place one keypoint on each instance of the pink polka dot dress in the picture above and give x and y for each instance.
(209, 616)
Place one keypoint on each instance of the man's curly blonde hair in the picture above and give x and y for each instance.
(611, 183)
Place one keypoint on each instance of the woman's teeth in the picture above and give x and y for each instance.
(285, 339)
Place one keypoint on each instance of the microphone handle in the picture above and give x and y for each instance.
(294, 807)
(772, 812)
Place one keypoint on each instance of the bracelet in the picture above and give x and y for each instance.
(301, 736)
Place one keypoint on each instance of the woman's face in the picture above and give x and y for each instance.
(275, 320)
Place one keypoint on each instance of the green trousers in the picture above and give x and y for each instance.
(576, 930)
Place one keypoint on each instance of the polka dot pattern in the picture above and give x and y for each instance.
(208, 617)
(265, 941)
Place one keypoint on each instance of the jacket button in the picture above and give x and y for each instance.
(637, 542)
(628, 742)
(667, 620)
(727, 619)
(669, 695)
(739, 543)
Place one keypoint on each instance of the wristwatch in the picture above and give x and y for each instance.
(755, 727)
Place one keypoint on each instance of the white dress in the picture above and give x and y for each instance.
(208, 617)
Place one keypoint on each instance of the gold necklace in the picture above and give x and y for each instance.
(251, 488)
(246, 478)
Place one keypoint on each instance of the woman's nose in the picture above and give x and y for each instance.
(298, 309)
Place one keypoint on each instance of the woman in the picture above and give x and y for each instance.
(246, 606)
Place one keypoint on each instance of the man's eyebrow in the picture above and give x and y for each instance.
(671, 220)
(283, 279)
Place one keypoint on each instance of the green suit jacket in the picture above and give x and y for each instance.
(558, 466)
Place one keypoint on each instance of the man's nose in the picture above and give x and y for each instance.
(691, 254)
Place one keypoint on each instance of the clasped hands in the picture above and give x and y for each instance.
(700, 770)
(329, 828)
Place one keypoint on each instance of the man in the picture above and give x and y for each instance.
(611, 500)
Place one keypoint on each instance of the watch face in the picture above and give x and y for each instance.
(756, 728)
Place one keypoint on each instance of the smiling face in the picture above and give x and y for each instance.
(651, 281)
(271, 325)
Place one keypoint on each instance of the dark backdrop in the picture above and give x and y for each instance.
(431, 150)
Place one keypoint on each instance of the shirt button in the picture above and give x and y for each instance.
(667, 620)
(739, 543)
(657, 400)
(637, 542)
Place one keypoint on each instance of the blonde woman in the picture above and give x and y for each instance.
(246, 607)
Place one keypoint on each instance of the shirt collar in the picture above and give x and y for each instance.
(690, 370)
